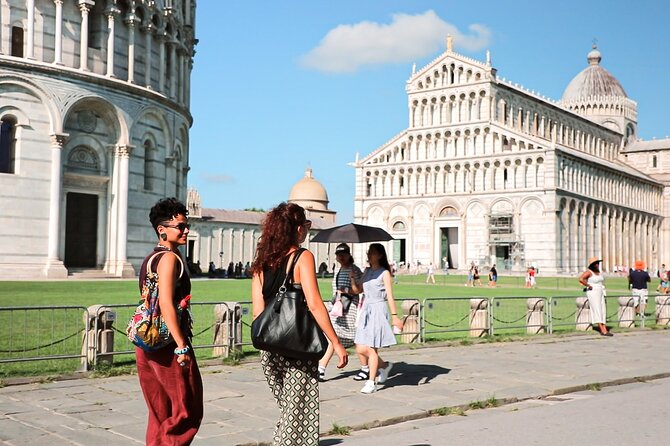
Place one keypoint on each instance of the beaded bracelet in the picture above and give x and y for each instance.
(181, 351)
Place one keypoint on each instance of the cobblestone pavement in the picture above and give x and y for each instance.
(240, 410)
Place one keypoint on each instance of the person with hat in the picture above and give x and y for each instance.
(344, 320)
(593, 282)
(638, 279)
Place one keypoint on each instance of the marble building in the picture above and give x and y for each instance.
(489, 172)
(223, 236)
(95, 129)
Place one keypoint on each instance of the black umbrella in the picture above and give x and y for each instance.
(352, 233)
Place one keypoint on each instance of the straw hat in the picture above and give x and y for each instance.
(593, 260)
(639, 264)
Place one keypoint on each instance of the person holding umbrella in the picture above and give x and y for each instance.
(373, 330)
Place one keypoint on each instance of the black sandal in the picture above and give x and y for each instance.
(362, 375)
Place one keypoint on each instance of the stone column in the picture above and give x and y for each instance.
(131, 21)
(58, 51)
(605, 249)
(173, 68)
(111, 15)
(84, 6)
(124, 268)
(162, 37)
(626, 312)
(54, 265)
(479, 317)
(148, 32)
(31, 30)
(535, 323)
(583, 314)
(411, 331)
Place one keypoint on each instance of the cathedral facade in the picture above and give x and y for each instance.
(95, 129)
(491, 173)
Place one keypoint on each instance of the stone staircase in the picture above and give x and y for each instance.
(88, 274)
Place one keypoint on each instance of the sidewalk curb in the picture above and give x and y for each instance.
(466, 407)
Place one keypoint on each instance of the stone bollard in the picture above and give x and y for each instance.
(227, 329)
(535, 319)
(479, 317)
(411, 330)
(663, 310)
(626, 312)
(98, 336)
(583, 314)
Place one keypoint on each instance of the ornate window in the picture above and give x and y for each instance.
(448, 211)
(83, 159)
(7, 144)
(399, 226)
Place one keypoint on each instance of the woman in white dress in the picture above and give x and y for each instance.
(373, 330)
(593, 282)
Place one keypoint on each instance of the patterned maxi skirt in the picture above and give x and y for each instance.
(295, 387)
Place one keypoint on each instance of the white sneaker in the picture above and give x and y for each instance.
(369, 387)
(383, 374)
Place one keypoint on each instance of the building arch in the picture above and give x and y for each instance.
(55, 117)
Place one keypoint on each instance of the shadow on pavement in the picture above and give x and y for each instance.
(330, 442)
(404, 374)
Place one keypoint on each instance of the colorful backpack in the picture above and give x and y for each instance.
(147, 328)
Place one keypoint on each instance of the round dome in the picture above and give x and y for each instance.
(309, 193)
(593, 80)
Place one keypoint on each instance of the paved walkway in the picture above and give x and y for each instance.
(240, 410)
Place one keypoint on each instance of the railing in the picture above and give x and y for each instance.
(97, 333)
(41, 333)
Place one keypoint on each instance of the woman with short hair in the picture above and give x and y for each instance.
(169, 377)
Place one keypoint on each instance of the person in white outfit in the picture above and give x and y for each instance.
(593, 282)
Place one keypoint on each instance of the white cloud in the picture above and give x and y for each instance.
(407, 38)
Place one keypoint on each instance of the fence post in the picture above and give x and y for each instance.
(662, 310)
(227, 328)
(479, 317)
(626, 312)
(535, 319)
(583, 315)
(410, 330)
(98, 336)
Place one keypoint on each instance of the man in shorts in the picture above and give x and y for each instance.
(639, 278)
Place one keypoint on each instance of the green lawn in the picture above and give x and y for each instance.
(29, 333)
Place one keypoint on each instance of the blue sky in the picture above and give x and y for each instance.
(280, 85)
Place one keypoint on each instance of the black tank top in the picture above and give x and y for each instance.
(273, 278)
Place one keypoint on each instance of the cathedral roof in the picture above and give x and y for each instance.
(593, 81)
(309, 193)
(647, 146)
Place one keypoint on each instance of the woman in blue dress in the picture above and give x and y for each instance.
(373, 330)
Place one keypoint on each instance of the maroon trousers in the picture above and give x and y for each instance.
(174, 397)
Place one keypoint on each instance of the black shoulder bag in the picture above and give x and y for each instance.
(286, 326)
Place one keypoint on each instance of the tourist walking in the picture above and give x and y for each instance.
(638, 279)
(293, 382)
(169, 377)
(430, 274)
(493, 277)
(593, 282)
(344, 321)
(373, 331)
(471, 272)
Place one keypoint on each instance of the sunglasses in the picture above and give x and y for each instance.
(181, 226)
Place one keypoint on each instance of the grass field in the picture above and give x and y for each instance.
(29, 332)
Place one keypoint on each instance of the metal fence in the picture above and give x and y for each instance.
(98, 333)
(41, 333)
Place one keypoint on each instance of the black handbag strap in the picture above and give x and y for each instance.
(289, 274)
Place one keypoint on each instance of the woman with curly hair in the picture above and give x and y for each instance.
(293, 382)
(169, 377)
